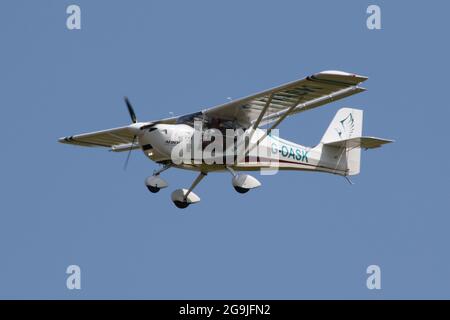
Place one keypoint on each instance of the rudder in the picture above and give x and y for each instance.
(346, 124)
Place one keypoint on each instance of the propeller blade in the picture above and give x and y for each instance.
(129, 154)
(130, 110)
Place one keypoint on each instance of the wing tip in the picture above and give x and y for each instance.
(338, 73)
(63, 139)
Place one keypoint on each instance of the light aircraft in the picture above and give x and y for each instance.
(338, 152)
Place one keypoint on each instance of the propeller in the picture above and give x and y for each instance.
(129, 154)
(130, 110)
(134, 120)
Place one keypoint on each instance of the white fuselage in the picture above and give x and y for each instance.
(159, 142)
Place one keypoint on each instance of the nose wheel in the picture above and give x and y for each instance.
(155, 183)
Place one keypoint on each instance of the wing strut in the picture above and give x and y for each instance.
(260, 117)
(298, 106)
(263, 112)
(283, 116)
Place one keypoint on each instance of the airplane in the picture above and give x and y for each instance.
(338, 152)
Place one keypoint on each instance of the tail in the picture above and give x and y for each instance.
(343, 140)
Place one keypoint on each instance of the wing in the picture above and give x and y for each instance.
(272, 105)
(293, 97)
(117, 139)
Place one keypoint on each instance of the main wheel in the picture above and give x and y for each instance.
(181, 204)
(153, 189)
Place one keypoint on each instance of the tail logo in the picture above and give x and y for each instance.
(346, 127)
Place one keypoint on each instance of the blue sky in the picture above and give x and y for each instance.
(300, 235)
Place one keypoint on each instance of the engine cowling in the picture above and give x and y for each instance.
(163, 138)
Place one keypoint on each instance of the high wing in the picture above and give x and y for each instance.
(117, 139)
(294, 97)
(105, 138)
(272, 105)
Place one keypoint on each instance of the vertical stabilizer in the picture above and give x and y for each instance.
(346, 124)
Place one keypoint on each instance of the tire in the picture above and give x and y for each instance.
(241, 190)
(181, 204)
(153, 189)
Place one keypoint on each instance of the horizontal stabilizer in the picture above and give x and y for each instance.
(359, 142)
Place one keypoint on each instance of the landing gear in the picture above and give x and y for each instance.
(154, 183)
(182, 198)
(243, 183)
